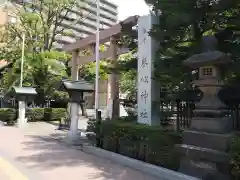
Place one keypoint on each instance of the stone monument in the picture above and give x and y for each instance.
(23, 94)
(205, 144)
(148, 89)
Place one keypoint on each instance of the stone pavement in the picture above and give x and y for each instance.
(36, 150)
(3, 176)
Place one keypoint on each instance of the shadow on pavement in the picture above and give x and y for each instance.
(48, 154)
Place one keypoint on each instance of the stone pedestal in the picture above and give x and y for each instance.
(206, 143)
(148, 89)
(22, 120)
(73, 131)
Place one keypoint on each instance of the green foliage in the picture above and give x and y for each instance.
(41, 24)
(68, 33)
(235, 157)
(35, 114)
(182, 24)
(128, 84)
(127, 68)
(87, 71)
(147, 143)
(57, 113)
(9, 115)
(43, 66)
(60, 95)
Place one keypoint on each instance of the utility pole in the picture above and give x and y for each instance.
(22, 59)
(97, 60)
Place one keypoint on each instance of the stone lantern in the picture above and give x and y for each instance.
(75, 90)
(23, 95)
(206, 142)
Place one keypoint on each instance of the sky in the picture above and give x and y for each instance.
(128, 8)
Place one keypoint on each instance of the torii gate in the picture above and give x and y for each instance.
(111, 34)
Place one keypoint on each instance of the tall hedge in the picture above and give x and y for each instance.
(9, 115)
(151, 144)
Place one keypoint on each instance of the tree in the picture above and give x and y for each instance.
(40, 22)
(128, 75)
(182, 25)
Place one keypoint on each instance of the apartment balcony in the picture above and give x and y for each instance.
(65, 39)
(86, 21)
(91, 12)
(72, 32)
(82, 30)
(92, 8)
(104, 5)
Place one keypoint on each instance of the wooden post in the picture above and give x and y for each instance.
(114, 84)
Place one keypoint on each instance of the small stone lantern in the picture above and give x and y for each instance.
(23, 94)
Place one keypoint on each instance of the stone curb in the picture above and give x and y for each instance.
(159, 172)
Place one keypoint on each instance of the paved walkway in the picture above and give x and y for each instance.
(37, 156)
(3, 175)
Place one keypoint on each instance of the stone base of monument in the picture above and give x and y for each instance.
(206, 143)
(211, 125)
(220, 142)
(205, 154)
(203, 169)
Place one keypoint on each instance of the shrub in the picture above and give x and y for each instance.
(91, 125)
(91, 130)
(131, 118)
(58, 113)
(151, 144)
(53, 114)
(35, 114)
(47, 114)
(235, 157)
(9, 115)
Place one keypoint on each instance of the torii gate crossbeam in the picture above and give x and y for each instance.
(111, 34)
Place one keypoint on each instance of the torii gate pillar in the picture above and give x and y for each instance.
(113, 79)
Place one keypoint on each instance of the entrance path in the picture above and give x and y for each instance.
(36, 151)
(3, 175)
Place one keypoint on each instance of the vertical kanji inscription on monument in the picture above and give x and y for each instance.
(147, 89)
